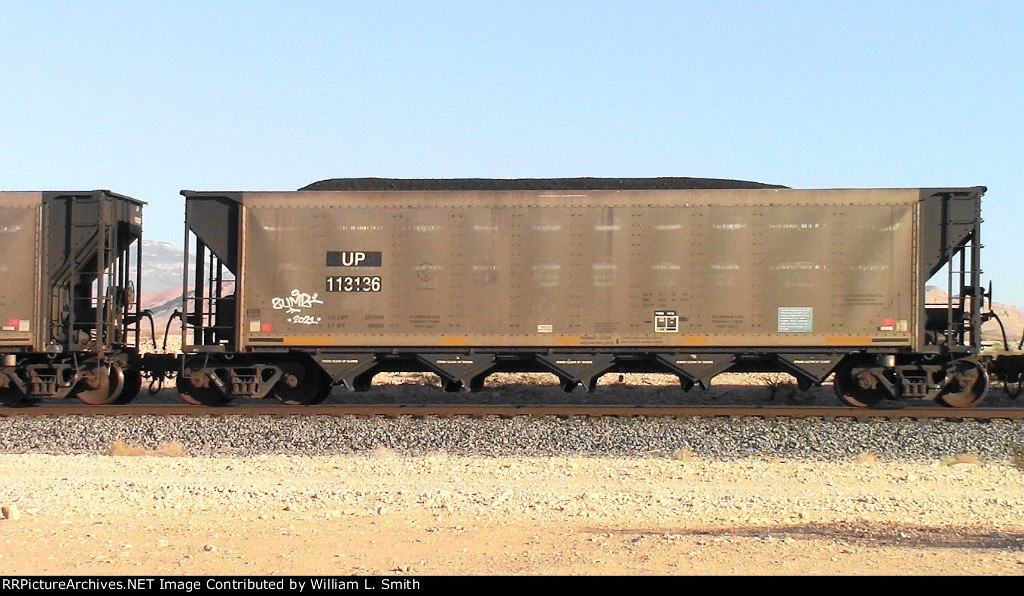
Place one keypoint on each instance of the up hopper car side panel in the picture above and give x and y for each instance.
(592, 269)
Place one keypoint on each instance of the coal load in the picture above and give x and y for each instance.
(485, 184)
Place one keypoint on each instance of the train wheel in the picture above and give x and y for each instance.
(132, 386)
(195, 388)
(302, 383)
(100, 386)
(968, 386)
(858, 390)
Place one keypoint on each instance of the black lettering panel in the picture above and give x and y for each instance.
(353, 258)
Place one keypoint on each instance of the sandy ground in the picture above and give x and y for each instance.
(382, 514)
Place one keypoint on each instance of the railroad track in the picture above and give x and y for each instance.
(508, 411)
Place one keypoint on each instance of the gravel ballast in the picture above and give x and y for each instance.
(713, 438)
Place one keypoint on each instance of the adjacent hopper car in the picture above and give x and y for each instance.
(289, 294)
(69, 298)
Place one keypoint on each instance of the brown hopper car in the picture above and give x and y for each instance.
(300, 291)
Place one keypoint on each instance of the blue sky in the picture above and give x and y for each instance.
(148, 98)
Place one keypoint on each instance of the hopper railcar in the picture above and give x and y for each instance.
(69, 305)
(296, 292)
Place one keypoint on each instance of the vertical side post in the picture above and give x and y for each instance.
(184, 287)
(976, 272)
(947, 248)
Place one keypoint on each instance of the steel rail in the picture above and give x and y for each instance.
(509, 411)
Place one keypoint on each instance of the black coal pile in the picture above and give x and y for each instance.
(448, 184)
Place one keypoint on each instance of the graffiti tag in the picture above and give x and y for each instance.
(304, 320)
(296, 302)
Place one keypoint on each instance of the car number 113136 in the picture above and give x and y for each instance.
(353, 283)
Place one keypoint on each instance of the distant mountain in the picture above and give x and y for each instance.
(161, 266)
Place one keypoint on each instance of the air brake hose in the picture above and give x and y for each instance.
(176, 313)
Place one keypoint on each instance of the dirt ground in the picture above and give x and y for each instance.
(382, 514)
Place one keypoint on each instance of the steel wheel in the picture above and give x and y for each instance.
(100, 386)
(968, 386)
(132, 386)
(302, 383)
(860, 390)
(195, 386)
